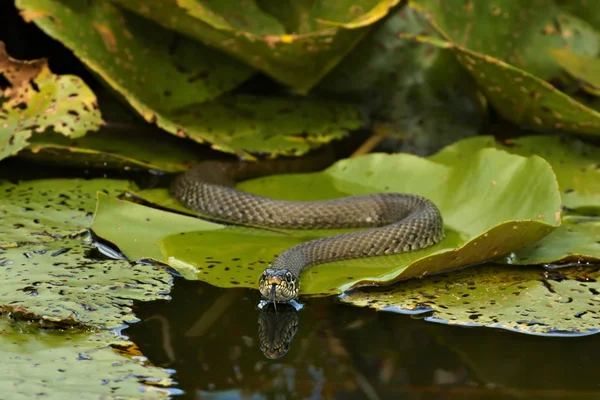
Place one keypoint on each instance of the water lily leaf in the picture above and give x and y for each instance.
(576, 240)
(140, 227)
(521, 97)
(584, 9)
(74, 364)
(516, 32)
(61, 282)
(117, 149)
(295, 42)
(584, 68)
(531, 301)
(37, 100)
(49, 209)
(492, 202)
(574, 162)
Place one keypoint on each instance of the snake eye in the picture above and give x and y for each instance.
(288, 277)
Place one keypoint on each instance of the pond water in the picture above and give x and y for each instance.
(210, 337)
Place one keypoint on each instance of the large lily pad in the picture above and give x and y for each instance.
(492, 202)
(296, 43)
(521, 97)
(74, 364)
(45, 210)
(519, 299)
(38, 100)
(516, 32)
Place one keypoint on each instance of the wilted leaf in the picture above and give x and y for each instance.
(521, 97)
(61, 282)
(74, 364)
(516, 32)
(492, 203)
(43, 210)
(295, 42)
(520, 299)
(38, 100)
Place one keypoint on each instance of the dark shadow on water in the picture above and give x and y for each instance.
(212, 339)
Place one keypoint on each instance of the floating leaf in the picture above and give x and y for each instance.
(521, 97)
(60, 282)
(44, 210)
(583, 68)
(492, 202)
(519, 299)
(296, 43)
(574, 162)
(74, 365)
(516, 32)
(140, 227)
(115, 148)
(38, 100)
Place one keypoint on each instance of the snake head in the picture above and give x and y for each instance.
(278, 285)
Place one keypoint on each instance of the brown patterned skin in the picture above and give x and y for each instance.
(397, 222)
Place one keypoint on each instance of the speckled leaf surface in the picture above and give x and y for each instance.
(62, 282)
(295, 42)
(516, 32)
(116, 150)
(73, 364)
(492, 203)
(586, 69)
(140, 227)
(525, 300)
(44, 210)
(521, 97)
(39, 100)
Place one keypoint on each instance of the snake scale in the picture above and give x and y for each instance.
(395, 222)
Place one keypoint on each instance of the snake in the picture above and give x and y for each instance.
(393, 223)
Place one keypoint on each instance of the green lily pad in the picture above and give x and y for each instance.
(115, 149)
(140, 227)
(516, 32)
(583, 68)
(519, 299)
(60, 282)
(584, 9)
(521, 97)
(296, 43)
(574, 162)
(74, 364)
(38, 100)
(492, 203)
(45, 210)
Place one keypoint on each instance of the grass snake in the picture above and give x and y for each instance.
(396, 222)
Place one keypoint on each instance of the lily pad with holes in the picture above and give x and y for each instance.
(296, 43)
(63, 282)
(516, 32)
(492, 202)
(519, 96)
(38, 100)
(45, 210)
(74, 364)
(519, 299)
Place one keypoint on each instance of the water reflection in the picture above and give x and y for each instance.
(214, 341)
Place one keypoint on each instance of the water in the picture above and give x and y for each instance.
(209, 336)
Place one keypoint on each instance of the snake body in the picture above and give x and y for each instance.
(396, 222)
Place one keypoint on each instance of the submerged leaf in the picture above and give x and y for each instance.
(492, 203)
(519, 299)
(44, 210)
(61, 282)
(38, 100)
(74, 364)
